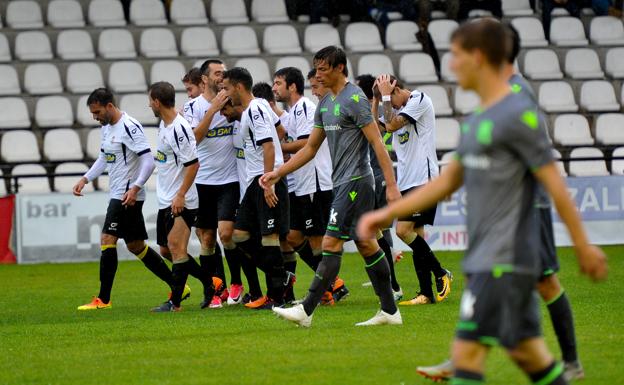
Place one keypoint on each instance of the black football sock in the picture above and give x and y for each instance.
(108, 268)
(276, 275)
(422, 270)
(233, 258)
(307, 255)
(379, 273)
(154, 262)
(464, 377)
(552, 375)
(323, 278)
(251, 252)
(387, 235)
(430, 259)
(179, 273)
(563, 323)
(386, 249)
(207, 263)
(218, 263)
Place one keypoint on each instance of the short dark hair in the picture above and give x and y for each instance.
(514, 50)
(263, 91)
(193, 76)
(240, 75)
(333, 56)
(205, 67)
(101, 96)
(487, 35)
(164, 93)
(312, 73)
(291, 75)
(365, 82)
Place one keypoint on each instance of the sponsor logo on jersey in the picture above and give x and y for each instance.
(240, 153)
(160, 157)
(110, 158)
(404, 137)
(218, 132)
(478, 162)
(332, 127)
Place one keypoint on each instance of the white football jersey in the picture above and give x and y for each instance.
(175, 150)
(290, 179)
(239, 143)
(299, 126)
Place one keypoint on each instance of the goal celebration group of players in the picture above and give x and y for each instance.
(276, 186)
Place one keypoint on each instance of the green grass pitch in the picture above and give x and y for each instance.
(44, 340)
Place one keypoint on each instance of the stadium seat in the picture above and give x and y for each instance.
(401, 36)
(34, 185)
(614, 63)
(606, 30)
(567, 31)
(147, 13)
(559, 163)
(228, 12)
(441, 31)
(417, 68)
(239, 41)
(20, 146)
(258, 68)
(83, 115)
(610, 129)
(170, 71)
(572, 130)
(42, 79)
(188, 12)
(583, 63)
(116, 44)
(9, 82)
(65, 14)
(106, 13)
(587, 168)
(137, 106)
(598, 96)
(617, 165)
(158, 43)
(83, 77)
(74, 45)
(445, 69)
(25, 14)
(54, 111)
(317, 36)
(126, 76)
(447, 134)
(199, 42)
(93, 144)
(65, 184)
(33, 45)
(269, 11)
(294, 61)
(363, 37)
(557, 96)
(5, 51)
(440, 99)
(516, 8)
(531, 32)
(542, 64)
(13, 113)
(281, 39)
(465, 101)
(375, 64)
(62, 144)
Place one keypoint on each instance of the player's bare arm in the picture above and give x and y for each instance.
(393, 122)
(217, 104)
(374, 138)
(190, 171)
(268, 149)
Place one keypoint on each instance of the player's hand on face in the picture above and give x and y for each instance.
(392, 193)
(177, 205)
(77, 190)
(385, 85)
(593, 262)
(369, 224)
(269, 179)
(219, 100)
(270, 197)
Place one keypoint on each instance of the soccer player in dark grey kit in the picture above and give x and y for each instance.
(344, 117)
(503, 153)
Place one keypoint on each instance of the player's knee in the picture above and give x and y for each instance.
(295, 238)
(367, 247)
(521, 358)
(239, 236)
(549, 287)
(270, 240)
(331, 244)
(107, 239)
(175, 246)
(166, 253)
(405, 232)
(226, 235)
(136, 247)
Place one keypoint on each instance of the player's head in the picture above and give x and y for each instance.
(286, 82)
(263, 90)
(102, 105)
(193, 83)
(479, 48)
(231, 112)
(237, 81)
(161, 97)
(366, 82)
(514, 48)
(331, 65)
(317, 88)
(212, 74)
(398, 98)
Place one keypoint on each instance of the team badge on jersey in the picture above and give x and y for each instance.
(160, 157)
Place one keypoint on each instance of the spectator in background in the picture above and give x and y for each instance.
(380, 8)
(332, 9)
(572, 6)
(465, 6)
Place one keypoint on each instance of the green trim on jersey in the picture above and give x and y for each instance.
(499, 270)
(516, 88)
(489, 341)
(468, 326)
(531, 119)
(551, 376)
(484, 132)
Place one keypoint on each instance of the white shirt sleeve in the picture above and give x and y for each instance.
(134, 138)
(261, 124)
(416, 106)
(184, 146)
(304, 120)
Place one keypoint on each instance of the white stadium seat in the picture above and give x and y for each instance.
(158, 43)
(606, 30)
(375, 64)
(94, 138)
(440, 99)
(188, 12)
(83, 115)
(572, 130)
(9, 82)
(126, 76)
(106, 13)
(42, 79)
(20, 146)
(617, 165)
(441, 31)
(13, 113)
(74, 45)
(363, 37)
(515, 8)
(228, 12)
(281, 39)
(116, 44)
(557, 96)
(567, 31)
(62, 144)
(598, 96)
(587, 167)
(35, 185)
(65, 184)
(257, 67)
(65, 14)
(33, 45)
(445, 68)
(531, 32)
(465, 101)
(239, 41)
(137, 106)
(5, 51)
(583, 63)
(83, 77)
(147, 12)
(417, 68)
(610, 129)
(53, 111)
(317, 36)
(401, 36)
(199, 42)
(294, 61)
(24, 14)
(542, 64)
(269, 11)
(614, 63)
(171, 71)
(447, 133)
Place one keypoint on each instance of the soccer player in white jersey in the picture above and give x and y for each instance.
(124, 150)
(177, 163)
(410, 117)
(263, 212)
(193, 84)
